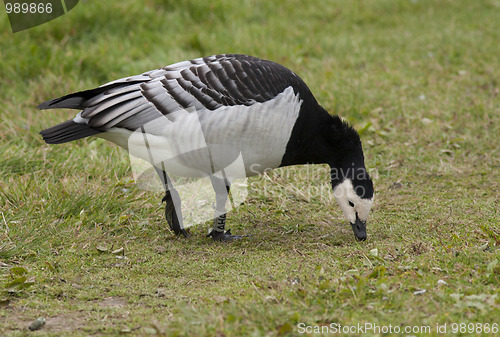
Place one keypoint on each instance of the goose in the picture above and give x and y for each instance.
(194, 118)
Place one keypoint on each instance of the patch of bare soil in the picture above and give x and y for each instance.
(18, 319)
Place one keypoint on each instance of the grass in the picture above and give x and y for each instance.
(419, 79)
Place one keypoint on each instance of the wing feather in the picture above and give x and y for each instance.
(111, 93)
(113, 112)
(199, 84)
(110, 103)
(135, 118)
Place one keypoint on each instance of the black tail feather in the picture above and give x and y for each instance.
(67, 132)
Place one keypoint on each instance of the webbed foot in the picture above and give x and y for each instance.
(224, 237)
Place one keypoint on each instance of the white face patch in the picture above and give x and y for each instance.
(350, 203)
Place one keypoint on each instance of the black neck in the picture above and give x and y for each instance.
(319, 138)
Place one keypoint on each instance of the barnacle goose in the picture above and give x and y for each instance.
(239, 105)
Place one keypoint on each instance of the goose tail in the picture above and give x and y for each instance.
(67, 132)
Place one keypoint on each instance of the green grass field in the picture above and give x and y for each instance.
(419, 79)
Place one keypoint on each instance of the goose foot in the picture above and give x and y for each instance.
(224, 237)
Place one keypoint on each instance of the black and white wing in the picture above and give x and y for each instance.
(201, 84)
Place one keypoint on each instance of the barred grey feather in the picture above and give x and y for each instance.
(202, 84)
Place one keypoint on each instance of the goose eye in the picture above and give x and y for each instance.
(351, 204)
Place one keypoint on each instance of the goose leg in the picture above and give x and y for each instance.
(221, 187)
(173, 212)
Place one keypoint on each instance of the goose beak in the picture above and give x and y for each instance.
(359, 228)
